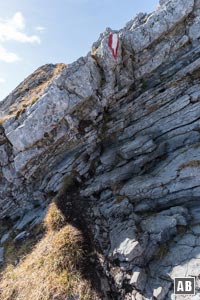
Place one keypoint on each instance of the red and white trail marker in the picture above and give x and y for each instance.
(113, 43)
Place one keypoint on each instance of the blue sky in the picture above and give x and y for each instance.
(36, 32)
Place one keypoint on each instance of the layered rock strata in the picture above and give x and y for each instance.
(127, 128)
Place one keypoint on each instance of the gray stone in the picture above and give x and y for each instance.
(178, 270)
(84, 80)
(193, 31)
(193, 268)
(195, 96)
(121, 137)
(159, 23)
(9, 173)
(138, 279)
(116, 210)
(124, 244)
(106, 194)
(163, 2)
(3, 156)
(138, 146)
(187, 239)
(195, 211)
(158, 224)
(151, 187)
(5, 237)
(36, 125)
(23, 158)
(119, 277)
(1, 255)
(28, 218)
(22, 235)
(196, 230)
(177, 255)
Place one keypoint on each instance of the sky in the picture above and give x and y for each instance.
(36, 32)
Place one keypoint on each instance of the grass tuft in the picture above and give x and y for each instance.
(51, 271)
(52, 266)
(54, 219)
(191, 163)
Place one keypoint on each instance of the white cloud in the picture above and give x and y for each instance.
(17, 21)
(40, 28)
(13, 29)
(2, 80)
(7, 56)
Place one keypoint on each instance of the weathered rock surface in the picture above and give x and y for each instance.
(128, 130)
(1, 255)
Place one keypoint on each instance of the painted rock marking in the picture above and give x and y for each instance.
(113, 43)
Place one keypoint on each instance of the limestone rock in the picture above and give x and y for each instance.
(28, 218)
(138, 279)
(5, 237)
(122, 124)
(159, 23)
(1, 255)
(22, 235)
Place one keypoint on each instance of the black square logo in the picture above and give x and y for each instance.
(184, 286)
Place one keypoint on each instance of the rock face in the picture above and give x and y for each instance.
(128, 129)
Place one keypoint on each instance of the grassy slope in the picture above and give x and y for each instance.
(53, 269)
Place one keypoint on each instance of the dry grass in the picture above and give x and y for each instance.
(191, 163)
(14, 252)
(28, 92)
(53, 269)
(54, 219)
(153, 108)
